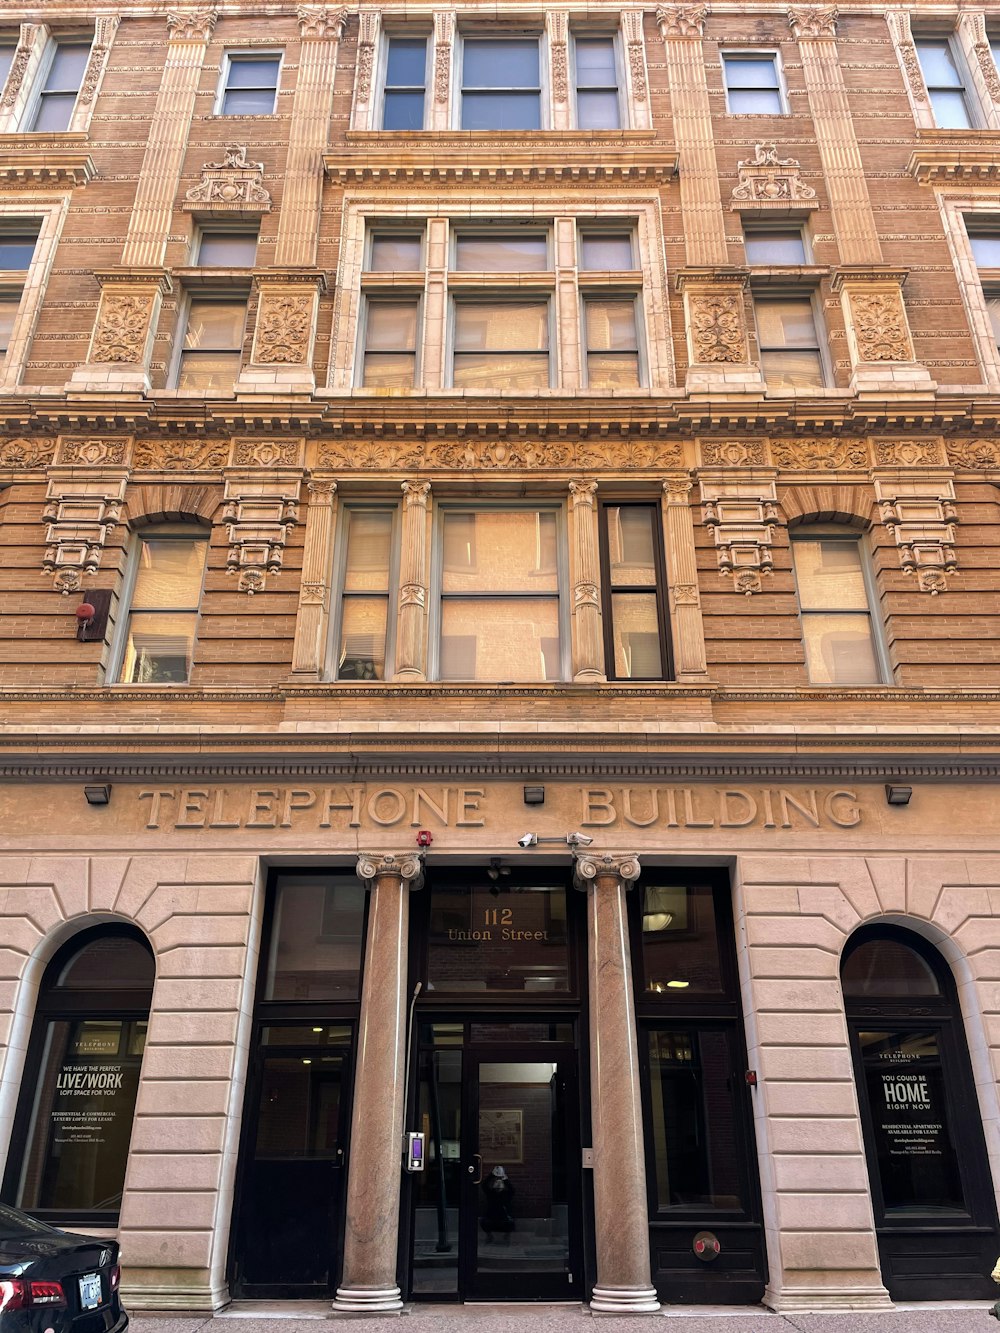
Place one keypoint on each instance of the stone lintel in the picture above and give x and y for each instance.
(715, 275)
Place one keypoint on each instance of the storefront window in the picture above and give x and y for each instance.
(83, 1072)
(316, 938)
(680, 948)
(498, 939)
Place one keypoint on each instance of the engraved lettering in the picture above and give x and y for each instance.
(689, 812)
(216, 820)
(727, 819)
(654, 808)
(468, 805)
(380, 797)
(421, 798)
(809, 812)
(598, 806)
(262, 801)
(331, 803)
(154, 798)
(848, 818)
(296, 798)
(193, 802)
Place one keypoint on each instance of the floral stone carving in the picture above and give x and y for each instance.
(682, 20)
(284, 329)
(24, 455)
(233, 185)
(717, 328)
(880, 326)
(123, 325)
(767, 178)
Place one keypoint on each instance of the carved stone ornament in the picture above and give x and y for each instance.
(560, 72)
(820, 455)
(880, 326)
(911, 68)
(258, 518)
(284, 329)
(682, 20)
(79, 515)
(233, 185)
(635, 52)
(909, 453)
(191, 25)
(813, 20)
(767, 178)
(93, 453)
(741, 516)
(370, 455)
(122, 329)
(592, 866)
(407, 867)
(92, 75)
(443, 25)
(180, 455)
(974, 455)
(366, 64)
(919, 513)
(717, 327)
(266, 453)
(734, 453)
(319, 21)
(498, 455)
(19, 64)
(26, 455)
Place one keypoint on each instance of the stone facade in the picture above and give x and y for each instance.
(738, 753)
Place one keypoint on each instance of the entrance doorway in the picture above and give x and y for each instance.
(932, 1191)
(496, 1213)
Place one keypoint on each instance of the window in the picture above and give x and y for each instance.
(501, 84)
(7, 50)
(499, 596)
(166, 579)
(753, 85)
(597, 101)
(945, 85)
(367, 577)
(58, 94)
(835, 609)
(495, 252)
(986, 252)
(212, 350)
(501, 344)
(17, 249)
(776, 246)
(227, 249)
(404, 93)
(395, 252)
(607, 251)
(633, 584)
(612, 342)
(250, 85)
(390, 350)
(789, 345)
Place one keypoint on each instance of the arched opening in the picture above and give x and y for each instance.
(932, 1195)
(81, 1078)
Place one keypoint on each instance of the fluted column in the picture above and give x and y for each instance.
(313, 621)
(687, 629)
(588, 640)
(411, 627)
(371, 1225)
(623, 1283)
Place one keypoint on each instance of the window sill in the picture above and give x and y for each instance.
(788, 275)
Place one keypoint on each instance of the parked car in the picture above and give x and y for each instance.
(54, 1282)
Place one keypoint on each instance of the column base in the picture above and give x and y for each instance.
(820, 1299)
(368, 1300)
(624, 1300)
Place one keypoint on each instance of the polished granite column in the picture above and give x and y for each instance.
(623, 1283)
(371, 1227)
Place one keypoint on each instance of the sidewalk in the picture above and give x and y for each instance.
(303, 1317)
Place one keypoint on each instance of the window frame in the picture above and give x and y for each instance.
(369, 504)
(613, 36)
(39, 90)
(970, 100)
(593, 294)
(794, 292)
(222, 228)
(608, 589)
(383, 296)
(496, 295)
(235, 56)
(437, 598)
(402, 34)
(477, 32)
(221, 295)
(755, 53)
(763, 227)
(14, 281)
(845, 533)
(189, 531)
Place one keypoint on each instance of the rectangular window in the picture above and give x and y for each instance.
(405, 89)
(607, 251)
(57, 98)
(789, 346)
(499, 590)
(390, 349)
(835, 612)
(495, 252)
(227, 249)
(501, 344)
(316, 939)
(250, 85)
(394, 252)
(501, 84)
(945, 85)
(776, 246)
(367, 561)
(163, 610)
(985, 247)
(753, 85)
(597, 101)
(17, 249)
(634, 603)
(612, 342)
(213, 344)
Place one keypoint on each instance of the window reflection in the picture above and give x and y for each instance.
(680, 950)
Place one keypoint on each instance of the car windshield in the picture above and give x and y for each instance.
(13, 1223)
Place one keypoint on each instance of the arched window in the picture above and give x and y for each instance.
(74, 1121)
(161, 598)
(842, 637)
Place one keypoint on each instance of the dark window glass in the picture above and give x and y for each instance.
(17, 249)
(405, 77)
(251, 86)
(110, 962)
(500, 85)
(888, 969)
(680, 947)
(316, 939)
(506, 940)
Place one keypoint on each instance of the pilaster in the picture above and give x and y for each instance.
(364, 106)
(687, 629)
(560, 97)
(901, 35)
(443, 59)
(587, 636)
(312, 624)
(22, 74)
(716, 321)
(878, 331)
(636, 73)
(281, 358)
(411, 635)
(93, 76)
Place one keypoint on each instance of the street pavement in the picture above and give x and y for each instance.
(296, 1317)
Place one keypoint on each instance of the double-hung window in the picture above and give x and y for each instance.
(842, 646)
(212, 348)
(790, 355)
(405, 84)
(367, 558)
(598, 104)
(17, 248)
(227, 248)
(501, 339)
(610, 285)
(249, 84)
(165, 578)
(945, 82)
(776, 246)
(986, 252)
(753, 84)
(501, 83)
(57, 96)
(499, 596)
(392, 286)
(632, 571)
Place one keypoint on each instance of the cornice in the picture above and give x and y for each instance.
(45, 166)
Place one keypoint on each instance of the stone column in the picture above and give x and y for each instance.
(687, 629)
(313, 621)
(621, 1219)
(588, 635)
(371, 1227)
(411, 626)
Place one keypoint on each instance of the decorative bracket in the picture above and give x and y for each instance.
(233, 186)
(771, 183)
(83, 506)
(918, 511)
(741, 514)
(259, 514)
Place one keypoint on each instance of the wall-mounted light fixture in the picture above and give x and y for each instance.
(895, 795)
(534, 796)
(98, 795)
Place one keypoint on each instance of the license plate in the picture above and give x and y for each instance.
(90, 1291)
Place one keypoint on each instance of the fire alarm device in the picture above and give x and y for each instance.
(414, 1151)
(424, 838)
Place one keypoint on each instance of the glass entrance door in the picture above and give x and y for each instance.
(497, 1211)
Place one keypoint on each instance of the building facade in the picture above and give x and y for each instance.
(500, 519)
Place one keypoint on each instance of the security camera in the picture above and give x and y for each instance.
(527, 840)
(578, 840)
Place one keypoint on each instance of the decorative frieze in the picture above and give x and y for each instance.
(733, 453)
(259, 513)
(82, 507)
(741, 513)
(94, 452)
(21, 455)
(180, 455)
(969, 455)
(917, 509)
(233, 187)
(769, 183)
(820, 455)
(927, 452)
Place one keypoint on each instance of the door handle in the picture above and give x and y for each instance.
(477, 1168)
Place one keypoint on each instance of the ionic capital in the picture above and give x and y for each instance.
(406, 867)
(593, 867)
